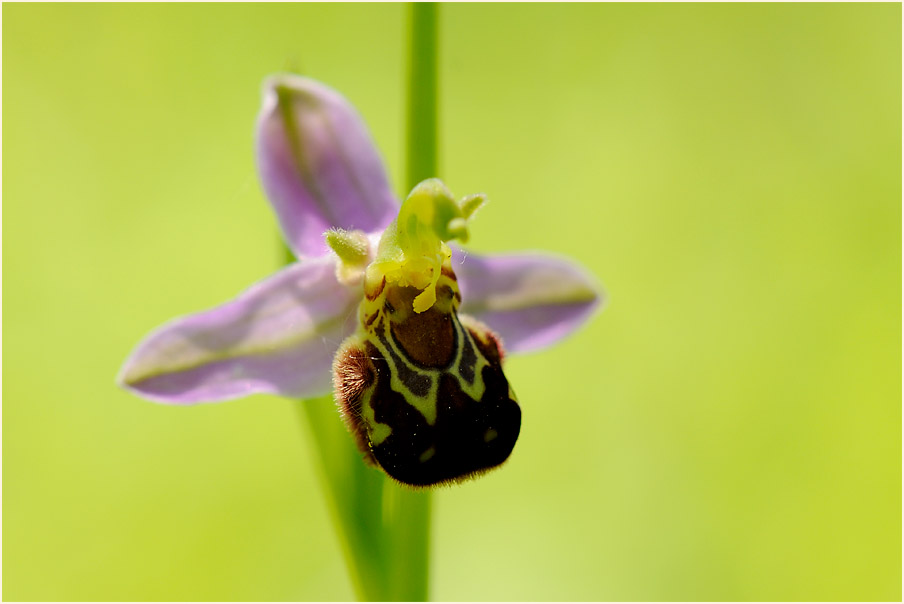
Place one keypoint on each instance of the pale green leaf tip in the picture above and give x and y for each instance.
(351, 246)
(354, 253)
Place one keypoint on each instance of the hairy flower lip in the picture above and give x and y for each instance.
(280, 335)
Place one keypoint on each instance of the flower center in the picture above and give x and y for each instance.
(413, 248)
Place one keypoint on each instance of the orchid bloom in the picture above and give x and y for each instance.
(407, 329)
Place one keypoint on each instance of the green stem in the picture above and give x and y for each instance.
(384, 528)
(422, 95)
(354, 496)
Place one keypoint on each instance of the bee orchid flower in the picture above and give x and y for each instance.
(407, 330)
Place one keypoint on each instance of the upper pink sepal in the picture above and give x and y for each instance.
(318, 164)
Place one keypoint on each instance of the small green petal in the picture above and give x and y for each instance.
(472, 203)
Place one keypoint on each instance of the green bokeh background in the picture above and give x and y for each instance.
(728, 428)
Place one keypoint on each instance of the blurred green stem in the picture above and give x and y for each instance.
(384, 528)
(353, 492)
(422, 91)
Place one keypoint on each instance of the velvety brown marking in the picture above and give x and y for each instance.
(353, 375)
(372, 295)
(448, 272)
(371, 318)
(444, 292)
(427, 338)
(459, 436)
(410, 436)
(488, 344)
(418, 384)
(468, 436)
(468, 359)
